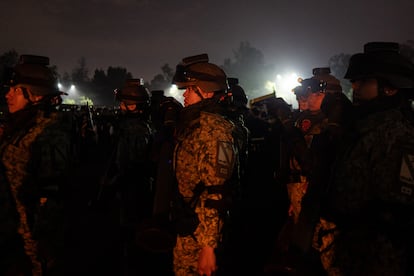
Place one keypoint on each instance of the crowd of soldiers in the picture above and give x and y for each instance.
(216, 185)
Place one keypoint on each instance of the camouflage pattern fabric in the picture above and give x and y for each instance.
(311, 125)
(206, 154)
(296, 191)
(134, 137)
(17, 158)
(323, 242)
(361, 251)
(371, 199)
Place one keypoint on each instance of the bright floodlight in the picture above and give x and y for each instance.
(173, 91)
(287, 83)
(72, 87)
(59, 85)
(283, 86)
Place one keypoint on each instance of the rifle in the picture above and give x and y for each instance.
(107, 183)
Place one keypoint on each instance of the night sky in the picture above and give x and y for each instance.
(144, 35)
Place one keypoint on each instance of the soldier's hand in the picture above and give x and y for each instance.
(207, 261)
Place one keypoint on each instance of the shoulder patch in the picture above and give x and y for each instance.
(225, 159)
(407, 169)
(406, 175)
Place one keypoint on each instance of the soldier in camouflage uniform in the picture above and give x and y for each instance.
(336, 104)
(204, 162)
(131, 161)
(134, 138)
(367, 220)
(321, 126)
(35, 159)
(297, 181)
(311, 121)
(304, 146)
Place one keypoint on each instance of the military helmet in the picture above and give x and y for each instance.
(382, 60)
(299, 91)
(197, 71)
(133, 92)
(333, 85)
(34, 71)
(313, 85)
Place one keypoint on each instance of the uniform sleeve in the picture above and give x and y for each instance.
(216, 164)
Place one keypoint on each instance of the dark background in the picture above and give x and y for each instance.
(144, 35)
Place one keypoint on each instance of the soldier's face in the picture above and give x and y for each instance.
(15, 99)
(127, 106)
(315, 101)
(194, 94)
(302, 103)
(364, 90)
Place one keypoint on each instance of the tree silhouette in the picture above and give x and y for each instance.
(116, 77)
(103, 84)
(162, 81)
(66, 79)
(339, 64)
(407, 49)
(249, 67)
(80, 74)
(80, 78)
(55, 71)
(7, 60)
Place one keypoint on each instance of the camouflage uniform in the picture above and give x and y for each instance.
(311, 125)
(371, 205)
(368, 215)
(205, 153)
(24, 179)
(35, 156)
(134, 137)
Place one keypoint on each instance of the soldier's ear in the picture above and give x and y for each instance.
(33, 97)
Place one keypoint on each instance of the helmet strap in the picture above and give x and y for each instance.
(26, 94)
(197, 91)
